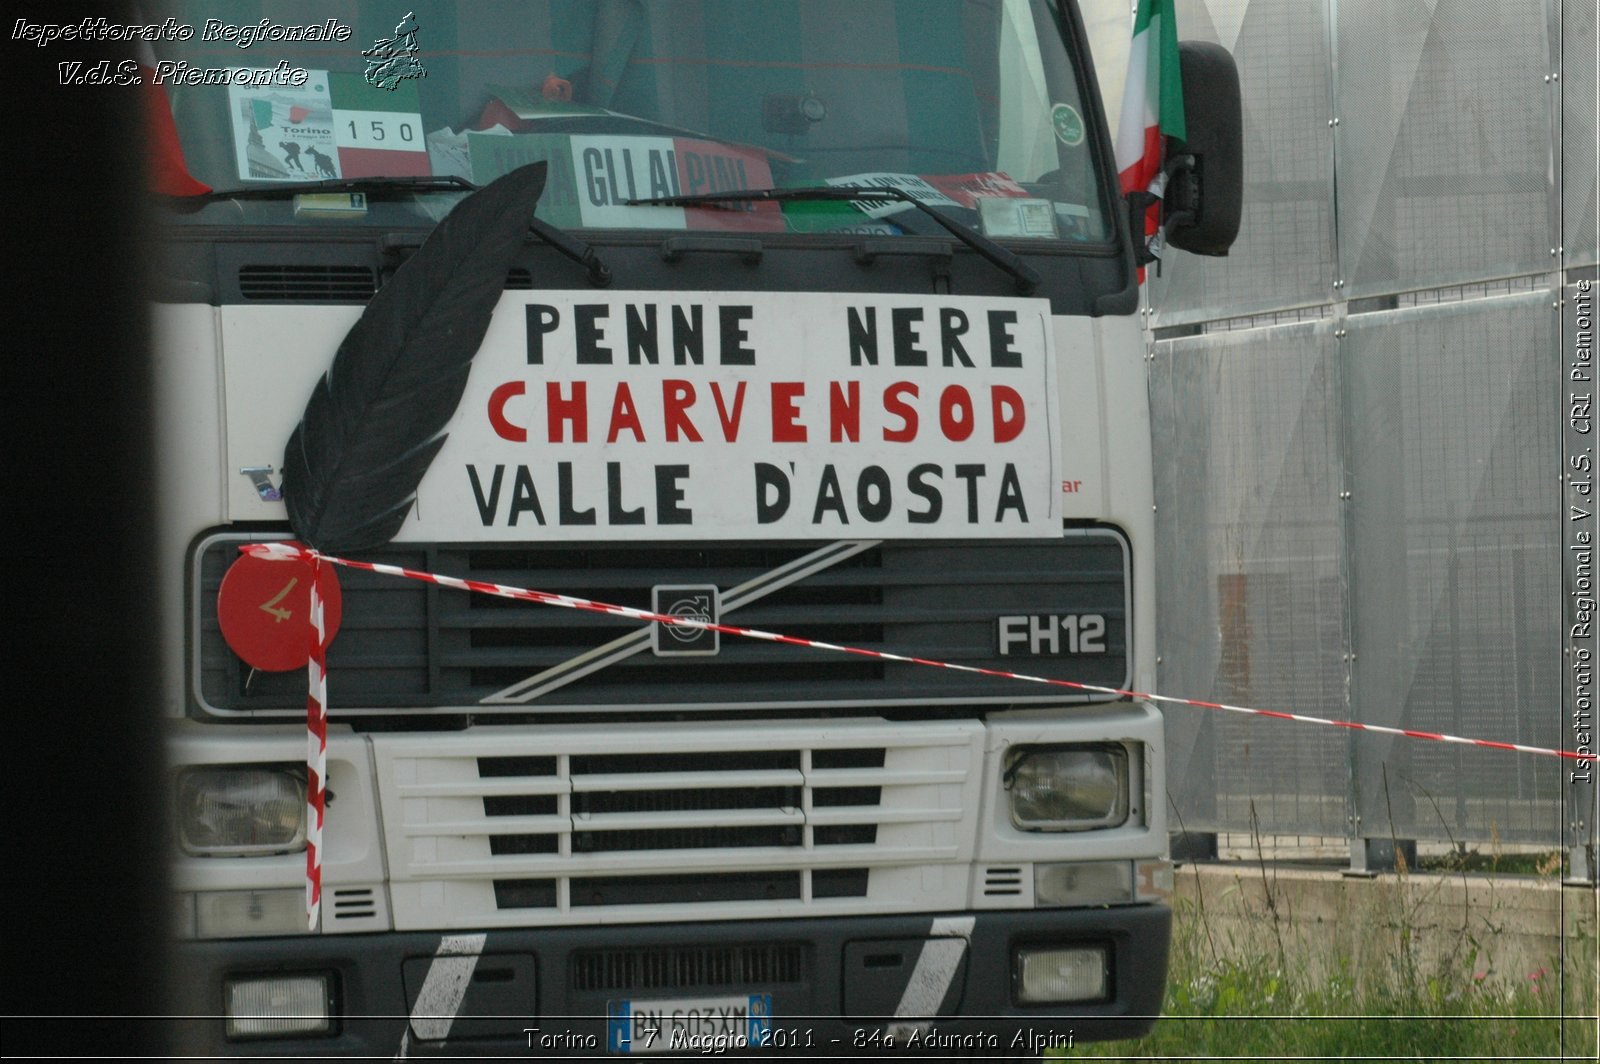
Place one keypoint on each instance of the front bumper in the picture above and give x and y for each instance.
(837, 986)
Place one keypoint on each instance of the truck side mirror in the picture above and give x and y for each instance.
(1205, 171)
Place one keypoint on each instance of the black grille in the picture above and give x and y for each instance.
(683, 801)
(845, 834)
(840, 882)
(731, 761)
(827, 796)
(712, 838)
(405, 645)
(501, 845)
(688, 967)
(702, 889)
(519, 805)
(489, 767)
(307, 284)
(525, 893)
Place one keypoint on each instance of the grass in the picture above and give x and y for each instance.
(1279, 990)
(1258, 1009)
(1496, 863)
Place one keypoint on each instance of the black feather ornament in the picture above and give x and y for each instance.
(377, 417)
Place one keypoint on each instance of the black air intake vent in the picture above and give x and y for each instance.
(1002, 881)
(688, 968)
(702, 888)
(354, 903)
(307, 284)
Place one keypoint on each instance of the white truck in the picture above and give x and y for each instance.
(824, 324)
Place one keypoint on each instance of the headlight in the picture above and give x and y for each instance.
(241, 810)
(1068, 788)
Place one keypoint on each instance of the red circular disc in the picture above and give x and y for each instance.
(264, 606)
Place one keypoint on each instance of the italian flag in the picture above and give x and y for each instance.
(1152, 103)
(269, 113)
(377, 132)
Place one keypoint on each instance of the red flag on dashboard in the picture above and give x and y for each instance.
(167, 172)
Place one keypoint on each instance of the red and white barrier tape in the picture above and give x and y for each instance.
(284, 551)
(316, 746)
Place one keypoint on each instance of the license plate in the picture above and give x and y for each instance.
(688, 1024)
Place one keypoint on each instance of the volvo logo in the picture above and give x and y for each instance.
(696, 602)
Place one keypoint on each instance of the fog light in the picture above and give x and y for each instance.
(1050, 976)
(1083, 883)
(278, 1006)
(234, 913)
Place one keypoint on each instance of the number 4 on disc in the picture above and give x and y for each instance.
(263, 609)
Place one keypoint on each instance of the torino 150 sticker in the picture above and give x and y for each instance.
(751, 416)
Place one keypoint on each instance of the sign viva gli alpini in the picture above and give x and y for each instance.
(746, 415)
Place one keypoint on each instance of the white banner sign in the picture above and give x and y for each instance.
(732, 415)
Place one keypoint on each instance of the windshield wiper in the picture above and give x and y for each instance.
(368, 185)
(571, 247)
(1027, 280)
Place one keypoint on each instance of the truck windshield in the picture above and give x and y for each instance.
(971, 106)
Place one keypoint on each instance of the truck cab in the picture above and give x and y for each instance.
(824, 325)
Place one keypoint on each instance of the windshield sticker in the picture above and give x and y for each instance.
(276, 130)
(378, 131)
(333, 126)
(592, 178)
(1068, 124)
(1030, 218)
(611, 171)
